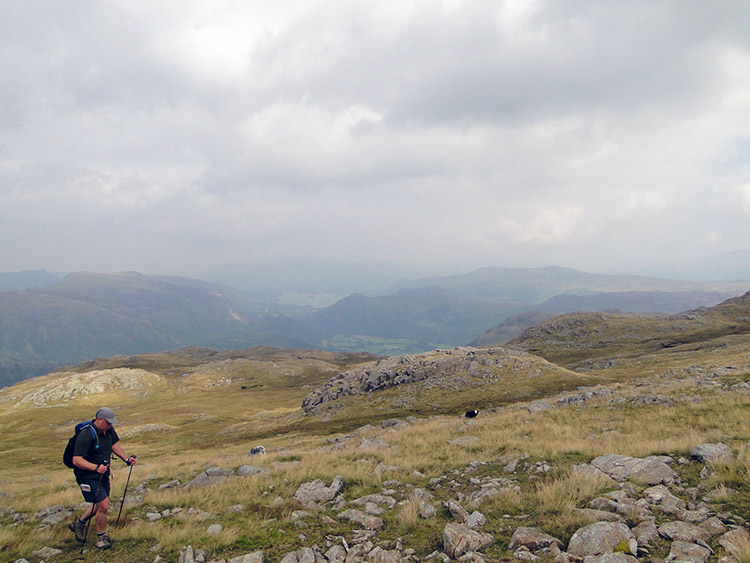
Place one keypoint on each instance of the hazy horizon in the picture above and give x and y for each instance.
(175, 137)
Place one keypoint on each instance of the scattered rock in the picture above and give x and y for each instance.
(533, 539)
(461, 440)
(247, 470)
(457, 511)
(313, 492)
(688, 552)
(394, 423)
(210, 476)
(538, 406)
(618, 557)
(712, 453)
(374, 443)
(734, 540)
(47, 552)
(304, 555)
(648, 471)
(600, 538)
(459, 539)
(255, 557)
(365, 520)
(683, 531)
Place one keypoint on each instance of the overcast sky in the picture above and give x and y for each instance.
(174, 136)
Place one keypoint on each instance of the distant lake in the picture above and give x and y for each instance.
(317, 300)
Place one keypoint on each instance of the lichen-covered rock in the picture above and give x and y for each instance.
(734, 540)
(313, 492)
(459, 539)
(367, 521)
(210, 476)
(304, 555)
(247, 470)
(600, 538)
(684, 531)
(648, 471)
(686, 552)
(533, 539)
(255, 557)
(611, 558)
(712, 453)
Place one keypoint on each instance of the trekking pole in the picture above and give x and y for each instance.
(93, 508)
(122, 503)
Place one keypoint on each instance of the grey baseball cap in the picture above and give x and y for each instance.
(107, 414)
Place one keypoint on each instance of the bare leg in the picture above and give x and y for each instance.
(100, 518)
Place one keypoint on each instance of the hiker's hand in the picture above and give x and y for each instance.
(102, 468)
(131, 460)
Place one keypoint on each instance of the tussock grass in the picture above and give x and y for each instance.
(563, 493)
(204, 435)
(408, 516)
(740, 550)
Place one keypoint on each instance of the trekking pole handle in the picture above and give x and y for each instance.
(131, 460)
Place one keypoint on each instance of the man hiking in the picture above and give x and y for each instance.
(91, 457)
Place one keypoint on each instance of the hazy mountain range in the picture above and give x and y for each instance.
(48, 320)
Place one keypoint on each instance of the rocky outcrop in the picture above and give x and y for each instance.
(400, 370)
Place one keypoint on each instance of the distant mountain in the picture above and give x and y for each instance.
(425, 317)
(18, 281)
(308, 275)
(87, 315)
(510, 328)
(621, 301)
(729, 266)
(535, 285)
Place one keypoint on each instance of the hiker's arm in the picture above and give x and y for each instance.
(118, 451)
(81, 463)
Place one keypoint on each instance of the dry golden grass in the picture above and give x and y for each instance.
(740, 549)
(408, 515)
(217, 426)
(563, 493)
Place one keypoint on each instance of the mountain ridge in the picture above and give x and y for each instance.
(91, 314)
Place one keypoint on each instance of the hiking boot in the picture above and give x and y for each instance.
(102, 542)
(78, 528)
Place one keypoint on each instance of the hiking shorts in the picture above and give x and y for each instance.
(92, 489)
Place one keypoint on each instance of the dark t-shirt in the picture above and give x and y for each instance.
(85, 447)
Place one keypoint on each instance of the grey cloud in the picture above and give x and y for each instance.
(578, 131)
(463, 65)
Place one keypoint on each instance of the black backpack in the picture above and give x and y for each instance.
(68, 453)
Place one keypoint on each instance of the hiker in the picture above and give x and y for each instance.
(91, 469)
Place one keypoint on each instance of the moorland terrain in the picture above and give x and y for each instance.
(599, 437)
(47, 321)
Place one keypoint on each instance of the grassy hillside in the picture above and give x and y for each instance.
(583, 339)
(423, 318)
(89, 315)
(195, 408)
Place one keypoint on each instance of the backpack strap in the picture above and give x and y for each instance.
(94, 434)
